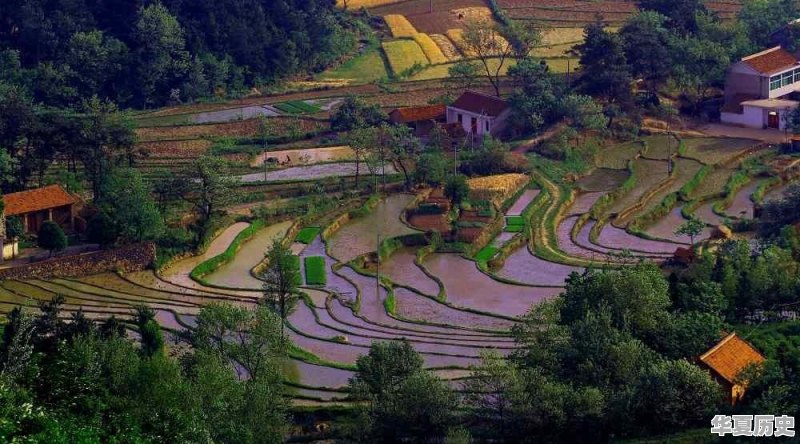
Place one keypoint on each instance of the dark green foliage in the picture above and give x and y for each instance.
(778, 213)
(101, 229)
(456, 189)
(604, 68)
(431, 168)
(281, 277)
(51, 237)
(403, 401)
(74, 384)
(316, 272)
(307, 235)
(354, 113)
(681, 14)
(66, 53)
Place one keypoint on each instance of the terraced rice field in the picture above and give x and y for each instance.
(448, 308)
(311, 172)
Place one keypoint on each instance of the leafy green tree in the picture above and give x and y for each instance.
(281, 277)
(523, 36)
(354, 113)
(463, 75)
(150, 331)
(402, 400)
(14, 231)
(402, 148)
(361, 140)
(762, 17)
(488, 44)
(51, 237)
(97, 61)
(604, 68)
(101, 229)
(699, 66)
(456, 188)
(431, 169)
(681, 14)
(692, 228)
(535, 103)
(646, 42)
(207, 187)
(128, 202)
(583, 112)
(161, 54)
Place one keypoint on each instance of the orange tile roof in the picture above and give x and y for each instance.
(418, 113)
(771, 61)
(38, 199)
(730, 356)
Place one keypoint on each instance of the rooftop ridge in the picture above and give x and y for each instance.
(758, 54)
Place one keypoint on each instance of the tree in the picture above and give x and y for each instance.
(463, 75)
(487, 43)
(101, 229)
(161, 54)
(151, 336)
(251, 340)
(681, 14)
(456, 188)
(523, 36)
(281, 277)
(354, 113)
(535, 102)
(603, 65)
(763, 17)
(402, 148)
(14, 231)
(128, 203)
(646, 42)
(793, 121)
(361, 140)
(402, 399)
(692, 228)
(51, 237)
(207, 187)
(700, 65)
(431, 169)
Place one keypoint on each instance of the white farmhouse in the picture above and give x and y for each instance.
(761, 89)
(479, 114)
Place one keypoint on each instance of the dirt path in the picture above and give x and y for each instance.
(528, 145)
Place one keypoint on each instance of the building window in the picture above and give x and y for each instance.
(460, 118)
(487, 126)
(784, 79)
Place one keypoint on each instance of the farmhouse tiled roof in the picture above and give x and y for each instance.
(23, 202)
(418, 113)
(730, 356)
(480, 103)
(771, 61)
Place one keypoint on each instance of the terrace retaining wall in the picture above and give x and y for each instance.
(126, 259)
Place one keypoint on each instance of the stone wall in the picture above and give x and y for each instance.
(127, 259)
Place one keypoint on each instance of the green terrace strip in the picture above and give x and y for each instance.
(315, 270)
(486, 253)
(739, 179)
(296, 107)
(390, 303)
(209, 266)
(307, 235)
(515, 220)
(690, 186)
(763, 188)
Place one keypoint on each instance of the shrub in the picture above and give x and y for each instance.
(315, 270)
(51, 237)
(101, 229)
(307, 235)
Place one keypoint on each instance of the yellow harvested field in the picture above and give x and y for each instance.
(356, 4)
(430, 48)
(480, 14)
(446, 46)
(403, 55)
(498, 42)
(496, 188)
(400, 26)
(559, 36)
(457, 37)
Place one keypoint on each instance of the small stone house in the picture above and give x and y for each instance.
(479, 114)
(726, 360)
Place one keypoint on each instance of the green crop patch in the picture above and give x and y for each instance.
(307, 235)
(315, 270)
(515, 220)
(486, 253)
(513, 228)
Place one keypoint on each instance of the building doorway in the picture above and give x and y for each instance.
(772, 120)
(474, 123)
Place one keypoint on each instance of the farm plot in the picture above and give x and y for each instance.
(228, 115)
(400, 268)
(603, 179)
(617, 156)
(742, 206)
(360, 236)
(309, 172)
(446, 46)
(665, 228)
(244, 128)
(648, 174)
(305, 156)
(399, 26)
(685, 170)
(522, 266)
(404, 55)
(175, 149)
(467, 287)
(715, 150)
(444, 15)
(431, 49)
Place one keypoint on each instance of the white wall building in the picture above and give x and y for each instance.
(760, 89)
(479, 114)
